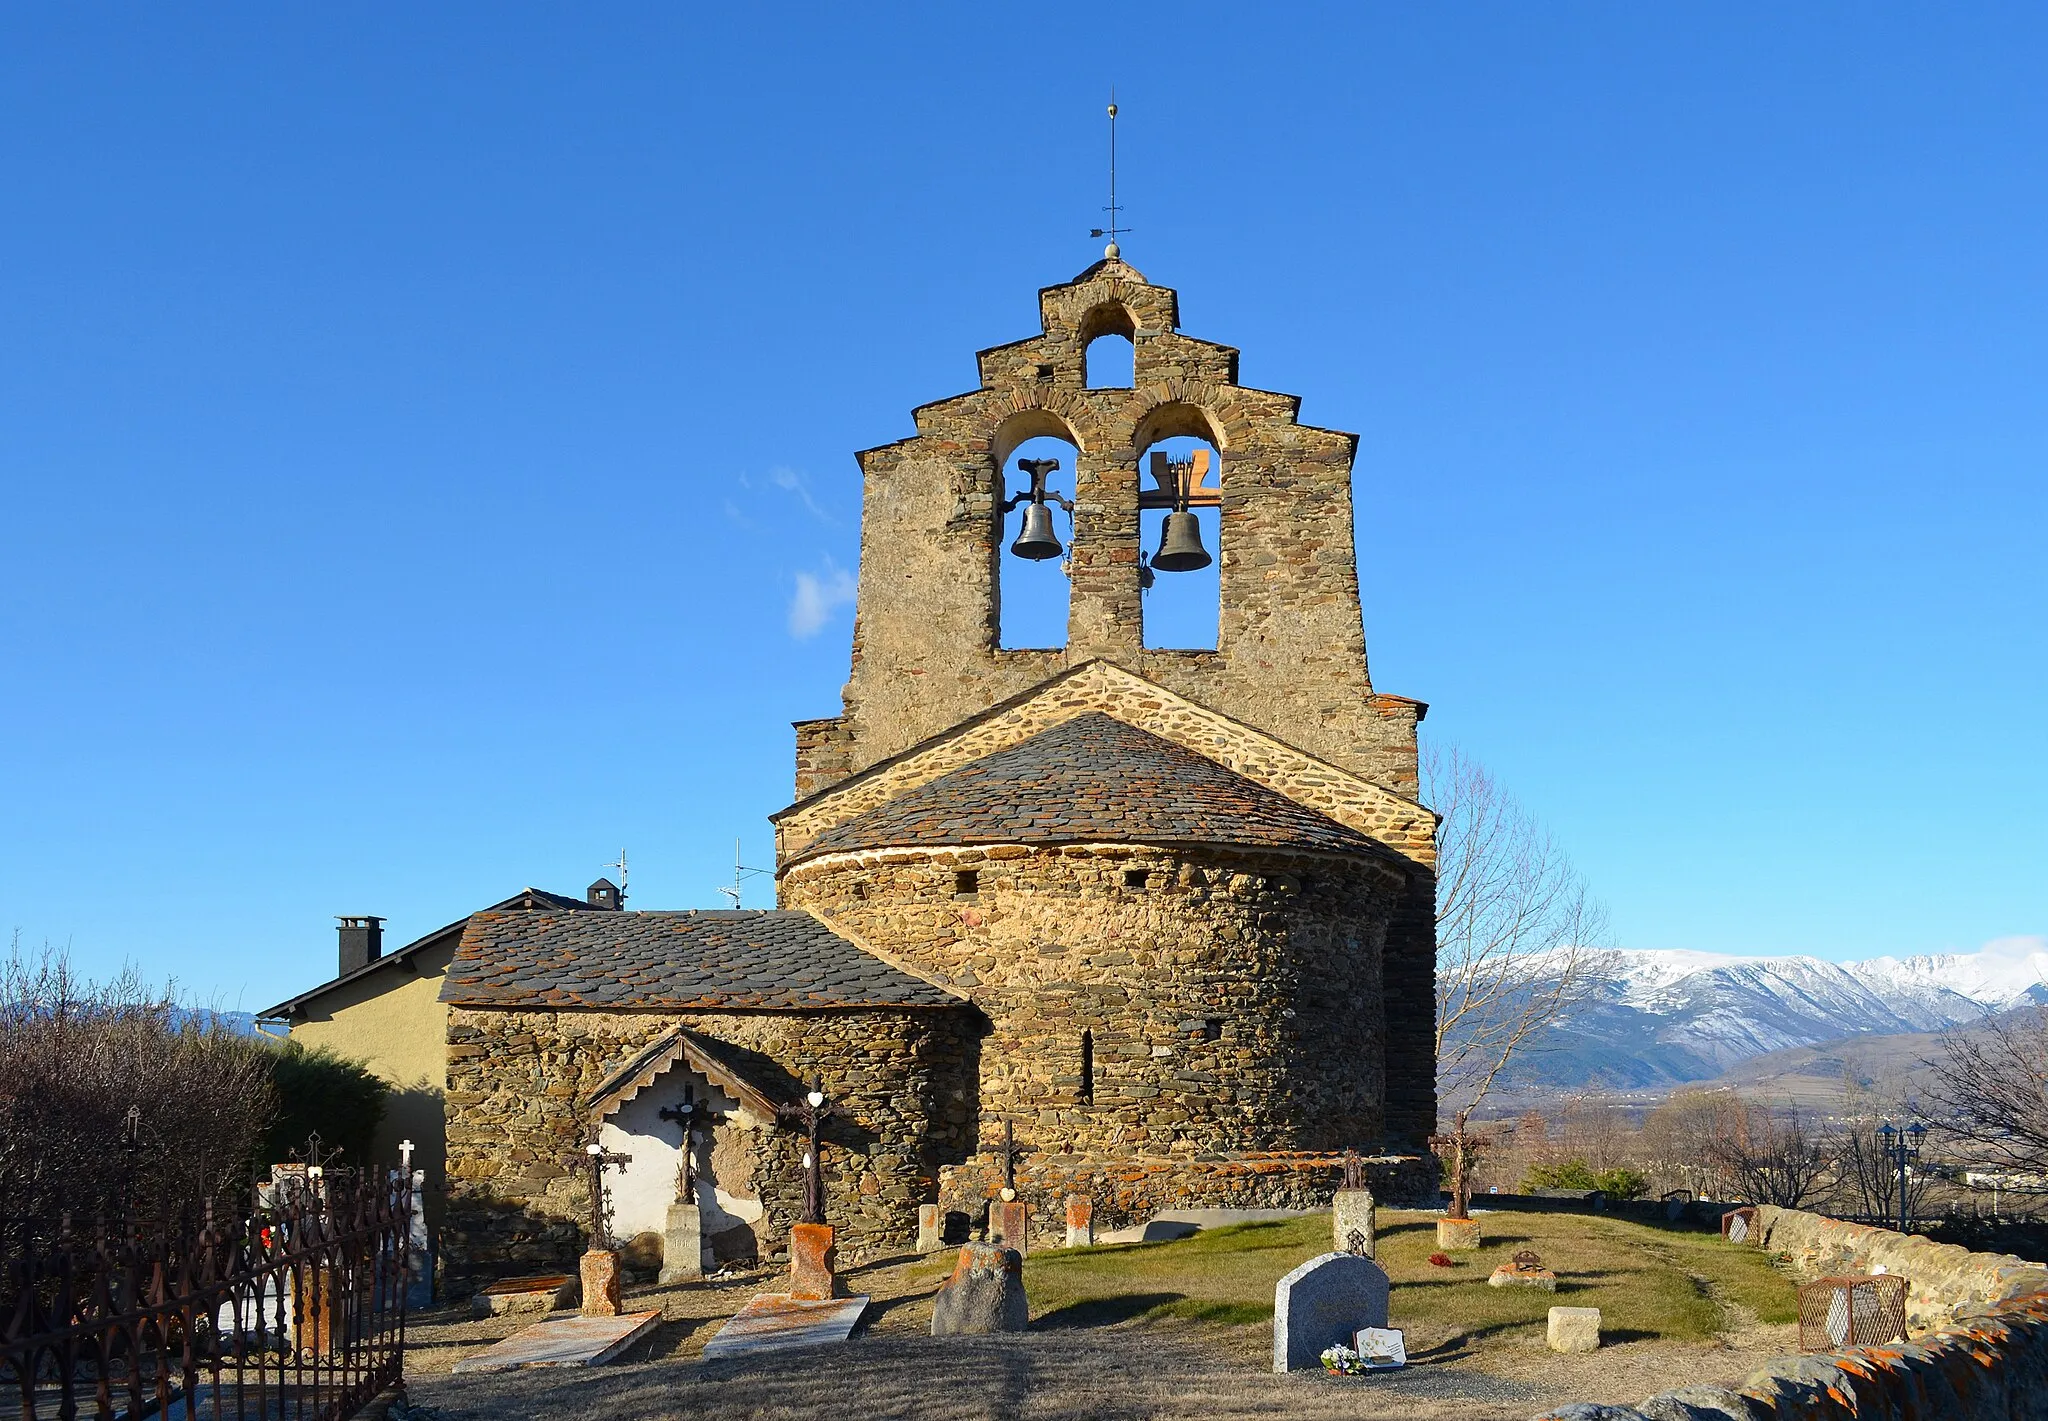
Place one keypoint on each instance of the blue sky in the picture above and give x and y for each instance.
(426, 432)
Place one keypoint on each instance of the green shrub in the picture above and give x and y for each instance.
(324, 1091)
(1620, 1182)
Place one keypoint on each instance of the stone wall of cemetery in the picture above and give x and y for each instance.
(1979, 1348)
(1131, 1190)
(518, 1082)
(1231, 1001)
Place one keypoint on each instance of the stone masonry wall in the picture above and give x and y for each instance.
(1290, 653)
(517, 1079)
(1986, 1354)
(1232, 1002)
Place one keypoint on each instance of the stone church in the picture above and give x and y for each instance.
(1164, 916)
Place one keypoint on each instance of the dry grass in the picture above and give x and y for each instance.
(1185, 1329)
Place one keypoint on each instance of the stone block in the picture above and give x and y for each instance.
(812, 1263)
(1009, 1223)
(541, 1293)
(930, 1226)
(1352, 1211)
(682, 1244)
(600, 1270)
(1080, 1221)
(1458, 1235)
(1322, 1303)
(985, 1294)
(1509, 1276)
(1575, 1329)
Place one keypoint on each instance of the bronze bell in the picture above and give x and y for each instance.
(1180, 545)
(1037, 541)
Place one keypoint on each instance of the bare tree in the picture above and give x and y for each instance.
(1866, 1174)
(112, 1100)
(1771, 1156)
(1990, 1090)
(1518, 939)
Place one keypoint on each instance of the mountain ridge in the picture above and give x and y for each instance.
(1664, 1018)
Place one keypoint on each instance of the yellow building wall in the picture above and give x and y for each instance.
(392, 1020)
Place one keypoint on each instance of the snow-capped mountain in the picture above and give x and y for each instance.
(1664, 1017)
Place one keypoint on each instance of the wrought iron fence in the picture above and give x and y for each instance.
(295, 1311)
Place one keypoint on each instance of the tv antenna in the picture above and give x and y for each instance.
(621, 867)
(740, 874)
(1113, 230)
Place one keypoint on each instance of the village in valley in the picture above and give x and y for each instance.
(1129, 1023)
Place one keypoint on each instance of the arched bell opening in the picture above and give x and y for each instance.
(1034, 539)
(1109, 355)
(1180, 539)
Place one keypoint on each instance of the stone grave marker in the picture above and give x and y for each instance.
(929, 1233)
(1353, 1212)
(1325, 1302)
(813, 1263)
(984, 1295)
(1080, 1221)
(1574, 1329)
(1524, 1270)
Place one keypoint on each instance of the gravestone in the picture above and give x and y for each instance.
(1524, 1270)
(682, 1244)
(1009, 1223)
(600, 1269)
(1458, 1234)
(1353, 1211)
(813, 1275)
(1325, 1302)
(1080, 1221)
(1574, 1329)
(419, 1258)
(984, 1295)
(929, 1233)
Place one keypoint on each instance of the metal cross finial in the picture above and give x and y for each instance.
(600, 1157)
(1113, 230)
(810, 1113)
(1009, 1157)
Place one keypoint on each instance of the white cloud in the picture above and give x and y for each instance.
(790, 481)
(818, 595)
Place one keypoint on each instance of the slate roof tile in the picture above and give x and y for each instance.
(1092, 779)
(707, 959)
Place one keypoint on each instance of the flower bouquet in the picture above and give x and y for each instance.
(1343, 1361)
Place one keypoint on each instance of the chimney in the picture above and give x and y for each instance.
(362, 942)
(604, 894)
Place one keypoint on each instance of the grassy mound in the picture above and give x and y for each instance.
(1649, 1283)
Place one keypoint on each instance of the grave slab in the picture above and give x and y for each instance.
(568, 1341)
(776, 1322)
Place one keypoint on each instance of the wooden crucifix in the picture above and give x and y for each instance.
(694, 1116)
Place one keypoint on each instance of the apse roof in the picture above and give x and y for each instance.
(701, 960)
(1092, 779)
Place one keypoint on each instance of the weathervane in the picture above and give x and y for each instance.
(1113, 230)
